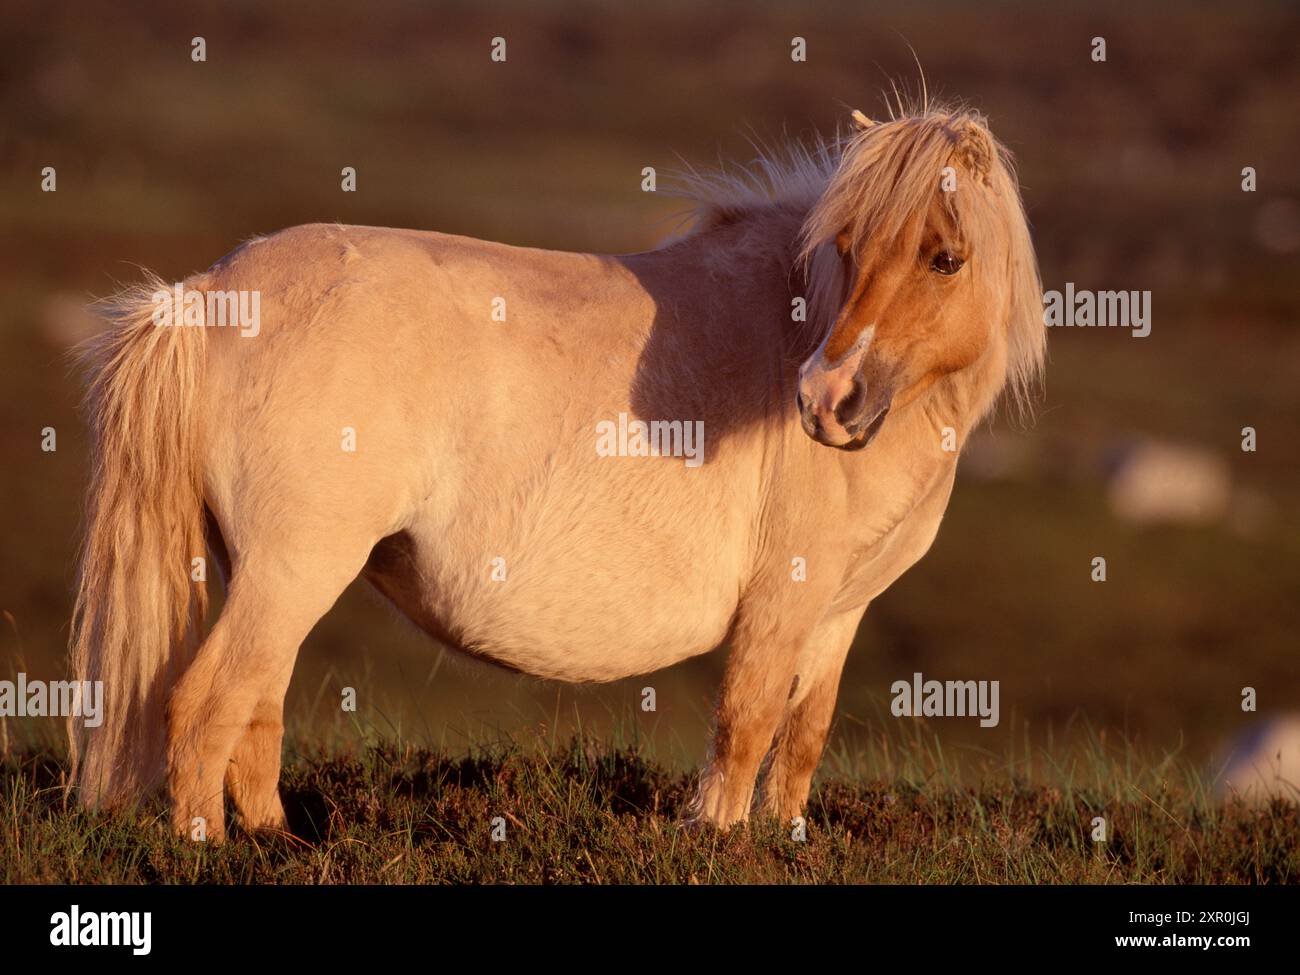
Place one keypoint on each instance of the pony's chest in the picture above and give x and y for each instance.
(876, 563)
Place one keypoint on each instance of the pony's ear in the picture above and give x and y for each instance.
(861, 121)
(975, 150)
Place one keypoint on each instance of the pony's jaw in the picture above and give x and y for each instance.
(867, 433)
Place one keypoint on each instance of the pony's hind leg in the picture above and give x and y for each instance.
(253, 774)
(227, 705)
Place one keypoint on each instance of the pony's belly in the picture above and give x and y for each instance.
(559, 624)
(591, 645)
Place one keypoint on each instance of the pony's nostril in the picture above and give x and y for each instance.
(850, 406)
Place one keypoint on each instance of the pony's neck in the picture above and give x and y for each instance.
(722, 346)
(732, 282)
(755, 255)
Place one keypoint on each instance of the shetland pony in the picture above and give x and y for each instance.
(425, 410)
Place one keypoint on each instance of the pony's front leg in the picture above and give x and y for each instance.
(765, 649)
(802, 735)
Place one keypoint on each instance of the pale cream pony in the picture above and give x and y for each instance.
(427, 411)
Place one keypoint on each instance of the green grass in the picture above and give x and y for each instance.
(168, 164)
(600, 811)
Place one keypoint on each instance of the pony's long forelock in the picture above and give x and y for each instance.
(873, 181)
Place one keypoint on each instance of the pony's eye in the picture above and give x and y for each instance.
(945, 262)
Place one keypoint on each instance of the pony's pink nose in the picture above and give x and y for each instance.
(839, 408)
(830, 404)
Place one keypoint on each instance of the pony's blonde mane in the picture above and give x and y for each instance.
(874, 181)
(789, 174)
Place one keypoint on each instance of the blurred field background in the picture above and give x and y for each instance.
(1131, 171)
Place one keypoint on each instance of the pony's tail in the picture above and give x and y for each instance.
(137, 613)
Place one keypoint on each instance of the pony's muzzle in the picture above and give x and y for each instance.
(839, 408)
